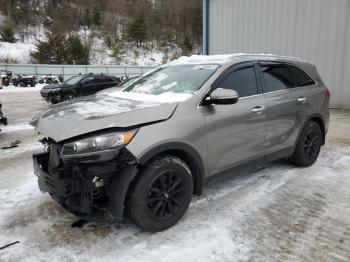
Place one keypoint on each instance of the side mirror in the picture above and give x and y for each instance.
(221, 96)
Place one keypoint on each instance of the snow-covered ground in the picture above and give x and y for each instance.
(280, 213)
(11, 88)
(18, 127)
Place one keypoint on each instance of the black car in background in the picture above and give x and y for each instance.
(77, 86)
(3, 119)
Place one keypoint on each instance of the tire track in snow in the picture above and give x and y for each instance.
(307, 219)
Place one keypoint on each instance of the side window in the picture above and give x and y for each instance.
(109, 80)
(87, 81)
(100, 79)
(301, 78)
(243, 81)
(277, 77)
(103, 79)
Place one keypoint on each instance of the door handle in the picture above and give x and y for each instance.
(258, 110)
(302, 100)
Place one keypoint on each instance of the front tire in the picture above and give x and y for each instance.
(68, 97)
(161, 193)
(308, 146)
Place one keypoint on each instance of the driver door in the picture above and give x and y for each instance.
(87, 86)
(236, 133)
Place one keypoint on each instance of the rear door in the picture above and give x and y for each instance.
(236, 133)
(287, 105)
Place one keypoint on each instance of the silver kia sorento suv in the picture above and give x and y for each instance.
(144, 151)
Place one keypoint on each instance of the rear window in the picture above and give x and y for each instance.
(103, 79)
(277, 77)
(301, 78)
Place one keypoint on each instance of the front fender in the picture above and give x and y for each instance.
(187, 153)
(118, 189)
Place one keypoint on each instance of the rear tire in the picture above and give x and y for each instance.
(161, 193)
(308, 146)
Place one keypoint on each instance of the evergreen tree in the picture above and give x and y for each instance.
(59, 49)
(77, 52)
(53, 51)
(7, 34)
(137, 30)
(118, 51)
(96, 17)
(86, 19)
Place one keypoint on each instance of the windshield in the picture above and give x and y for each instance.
(73, 80)
(180, 79)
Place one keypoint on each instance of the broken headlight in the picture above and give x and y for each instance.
(98, 143)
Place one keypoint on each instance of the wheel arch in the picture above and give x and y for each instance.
(185, 152)
(319, 119)
(70, 91)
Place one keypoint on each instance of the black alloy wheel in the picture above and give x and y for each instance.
(308, 145)
(311, 144)
(160, 194)
(164, 195)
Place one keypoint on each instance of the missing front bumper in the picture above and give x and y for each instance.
(82, 188)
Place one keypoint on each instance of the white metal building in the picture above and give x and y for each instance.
(317, 31)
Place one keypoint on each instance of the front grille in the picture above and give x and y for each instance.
(54, 159)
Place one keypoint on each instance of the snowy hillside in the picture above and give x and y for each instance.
(16, 52)
(150, 54)
(100, 54)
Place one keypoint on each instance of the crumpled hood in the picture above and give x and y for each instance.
(93, 113)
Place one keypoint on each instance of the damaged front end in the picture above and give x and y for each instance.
(86, 178)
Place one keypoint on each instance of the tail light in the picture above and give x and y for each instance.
(327, 93)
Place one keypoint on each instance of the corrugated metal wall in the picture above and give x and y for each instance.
(315, 30)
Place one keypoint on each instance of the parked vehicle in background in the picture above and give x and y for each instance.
(151, 146)
(24, 80)
(77, 86)
(50, 79)
(3, 119)
(6, 77)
